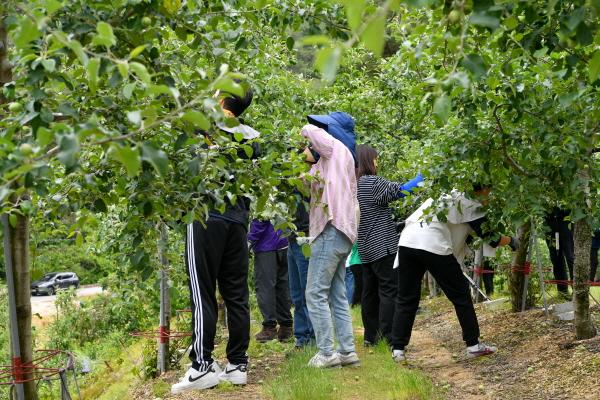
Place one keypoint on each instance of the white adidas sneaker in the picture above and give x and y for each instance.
(206, 377)
(236, 374)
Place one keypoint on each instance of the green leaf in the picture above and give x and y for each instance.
(129, 157)
(486, 20)
(123, 69)
(373, 36)
(475, 64)
(68, 145)
(78, 239)
(289, 42)
(575, 18)
(27, 32)
(196, 118)
(227, 85)
(79, 52)
(105, 36)
(4, 192)
(316, 40)
(141, 71)
(43, 136)
(511, 23)
(156, 157)
(135, 117)
(93, 68)
(137, 51)
(354, 12)
(128, 90)
(594, 67)
(52, 6)
(327, 62)
(49, 64)
(306, 250)
(442, 107)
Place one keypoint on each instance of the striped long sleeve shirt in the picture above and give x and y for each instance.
(377, 236)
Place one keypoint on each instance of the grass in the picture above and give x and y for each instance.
(378, 377)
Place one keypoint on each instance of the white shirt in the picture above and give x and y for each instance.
(438, 237)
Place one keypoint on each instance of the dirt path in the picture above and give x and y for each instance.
(537, 358)
(445, 368)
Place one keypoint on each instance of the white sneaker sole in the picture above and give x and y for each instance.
(235, 380)
(199, 385)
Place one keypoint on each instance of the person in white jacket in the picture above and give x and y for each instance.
(429, 244)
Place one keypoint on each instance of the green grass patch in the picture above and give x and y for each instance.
(377, 378)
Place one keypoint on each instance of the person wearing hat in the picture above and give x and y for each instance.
(428, 243)
(333, 229)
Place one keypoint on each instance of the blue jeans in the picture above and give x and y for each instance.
(349, 285)
(297, 272)
(326, 291)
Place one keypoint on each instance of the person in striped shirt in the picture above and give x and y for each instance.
(377, 244)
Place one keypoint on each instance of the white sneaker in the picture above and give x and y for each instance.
(480, 350)
(399, 356)
(236, 374)
(206, 377)
(349, 359)
(320, 360)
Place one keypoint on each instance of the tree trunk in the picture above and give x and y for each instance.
(584, 327)
(517, 279)
(19, 244)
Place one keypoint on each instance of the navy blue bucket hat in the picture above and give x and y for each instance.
(340, 125)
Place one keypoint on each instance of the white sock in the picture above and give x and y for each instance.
(473, 348)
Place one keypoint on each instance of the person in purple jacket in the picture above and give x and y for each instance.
(271, 281)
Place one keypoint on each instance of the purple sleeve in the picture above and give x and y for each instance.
(257, 230)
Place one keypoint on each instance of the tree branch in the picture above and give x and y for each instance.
(507, 156)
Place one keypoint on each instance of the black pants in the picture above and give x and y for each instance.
(272, 287)
(563, 257)
(357, 270)
(448, 275)
(380, 284)
(488, 277)
(218, 253)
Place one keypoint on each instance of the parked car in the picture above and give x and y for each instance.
(53, 281)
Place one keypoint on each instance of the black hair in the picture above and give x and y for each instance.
(366, 156)
(236, 104)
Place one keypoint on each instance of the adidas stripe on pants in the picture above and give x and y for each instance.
(218, 254)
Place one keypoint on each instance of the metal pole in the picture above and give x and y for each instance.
(165, 306)
(540, 268)
(526, 270)
(12, 312)
(477, 271)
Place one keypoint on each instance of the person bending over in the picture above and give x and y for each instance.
(429, 244)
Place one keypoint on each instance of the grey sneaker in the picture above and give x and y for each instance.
(399, 356)
(482, 350)
(349, 359)
(320, 360)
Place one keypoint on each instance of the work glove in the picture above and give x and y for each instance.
(514, 243)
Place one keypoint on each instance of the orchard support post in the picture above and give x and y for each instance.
(477, 271)
(165, 303)
(12, 312)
